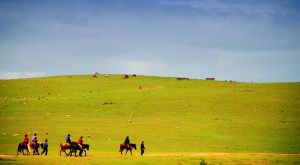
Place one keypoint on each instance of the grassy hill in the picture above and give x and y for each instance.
(168, 114)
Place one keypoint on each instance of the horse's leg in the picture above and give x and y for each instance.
(126, 151)
(131, 152)
(84, 152)
(17, 152)
(66, 152)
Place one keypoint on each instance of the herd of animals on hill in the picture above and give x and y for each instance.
(126, 76)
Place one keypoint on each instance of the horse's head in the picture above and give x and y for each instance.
(133, 146)
(86, 146)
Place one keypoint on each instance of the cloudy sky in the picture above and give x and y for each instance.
(231, 40)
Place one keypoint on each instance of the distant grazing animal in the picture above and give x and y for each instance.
(210, 78)
(134, 75)
(182, 78)
(95, 74)
(127, 147)
(125, 76)
(21, 147)
(106, 76)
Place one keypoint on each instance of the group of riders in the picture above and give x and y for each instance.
(34, 141)
(79, 142)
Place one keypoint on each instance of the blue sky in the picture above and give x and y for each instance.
(231, 40)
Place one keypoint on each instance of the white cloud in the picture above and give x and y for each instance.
(224, 6)
(17, 75)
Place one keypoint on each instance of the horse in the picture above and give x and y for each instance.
(64, 147)
(34, 147)
(125, 76)
(210, 78)
(127, 147)
(85, 147)
(73, 147)
(21, 147)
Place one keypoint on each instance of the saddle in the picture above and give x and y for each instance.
(126, 145)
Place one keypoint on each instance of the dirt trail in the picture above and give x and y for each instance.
(7, 156)
(220, 154)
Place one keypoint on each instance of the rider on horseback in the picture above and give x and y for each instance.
(80, 142)
(127, 141)
(34, 138)
(68, 139)
(26, 139)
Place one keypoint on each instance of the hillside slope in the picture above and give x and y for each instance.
(168, 114)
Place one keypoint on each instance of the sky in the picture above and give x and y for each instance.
(249, 41)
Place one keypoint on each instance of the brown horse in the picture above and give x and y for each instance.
(34, 147)
(21, 147)
(125, 76)
(64, 147)
(127, 147)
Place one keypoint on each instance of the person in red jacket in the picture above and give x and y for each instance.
(26, 139)
(80, 142)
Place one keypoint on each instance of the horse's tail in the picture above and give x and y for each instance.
(19, 147)
(121, 147)
(18, 150)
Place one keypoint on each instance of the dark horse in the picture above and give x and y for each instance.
(127, 147)
(73, 147)
(85, 147)
(21, 147)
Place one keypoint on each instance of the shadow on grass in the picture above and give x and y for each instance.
(203, 162)
(6, 159)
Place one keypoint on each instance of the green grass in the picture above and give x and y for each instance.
(169, 115)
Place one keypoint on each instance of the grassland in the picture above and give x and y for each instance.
(171, 116)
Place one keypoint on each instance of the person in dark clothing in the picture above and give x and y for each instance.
(142, 148)
(45, 147)
(68, 140)
(127, 141)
